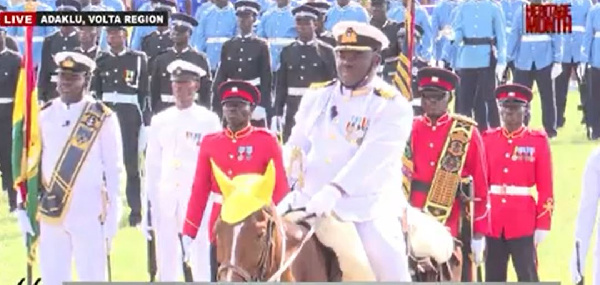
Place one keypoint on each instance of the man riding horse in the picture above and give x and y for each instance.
(238, 149)
(443, 149)
(352, 132)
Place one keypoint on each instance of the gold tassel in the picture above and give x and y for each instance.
(296, 155)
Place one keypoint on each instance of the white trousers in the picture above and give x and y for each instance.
(385, 246)
(168, 248)
(60, 245)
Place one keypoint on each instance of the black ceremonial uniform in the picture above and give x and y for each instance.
(91, 53)
(389, 55)
(245, 58)
(301, 65)
(10, 65)
(160, 86)
(327, 38)
(155, 43)
(11, 44)
(121, 81)
(53, 44)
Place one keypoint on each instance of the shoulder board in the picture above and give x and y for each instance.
(463, 119)
(53, 34)
(386, 93)
(46, 105)
(491, 131)
(538, 133)
(265, 131)
(102, 54)
(135, 52)
(317, 85)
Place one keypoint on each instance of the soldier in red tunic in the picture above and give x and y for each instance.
(445, 148)
(239, 149)
(518, 159)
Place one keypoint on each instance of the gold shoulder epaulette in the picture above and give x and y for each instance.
(387, 93)
(46, 105)
(317, 85)
(464, 119)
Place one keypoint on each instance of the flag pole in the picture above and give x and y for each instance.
(29, 88)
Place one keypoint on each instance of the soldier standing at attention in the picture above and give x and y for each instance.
(11, 43)
(345, 10)
(246, 57)
(121, 81)
(238, 149)
(322, 34)
(65, 39)
(10, 65)
(158, 40)
(173, 145)
(480, 42)
(518, 158)
(82, 165)
(391, 29)
(306, 61)
(88, 39)
(537, 59)
(182, 26)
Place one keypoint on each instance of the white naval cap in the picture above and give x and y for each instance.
(74, 61)
(352, 35)
(181, 67)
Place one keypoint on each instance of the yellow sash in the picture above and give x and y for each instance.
(56, 196)
(447, 177)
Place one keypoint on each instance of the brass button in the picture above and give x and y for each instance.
(503, 200)
(231, 156)
(505, 170)
(433, 128)
(229, 172)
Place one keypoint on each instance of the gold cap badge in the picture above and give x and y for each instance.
(67, 63)
(349, 37)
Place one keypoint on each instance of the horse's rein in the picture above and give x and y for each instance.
(285, 265)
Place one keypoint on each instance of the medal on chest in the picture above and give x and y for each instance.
(193, 137)
(356, 129)
(244, 152)
(524, 153)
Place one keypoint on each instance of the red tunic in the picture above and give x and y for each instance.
(427, 143)
(247, 151)
(516, 163)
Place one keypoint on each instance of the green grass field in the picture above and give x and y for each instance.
(570, 151)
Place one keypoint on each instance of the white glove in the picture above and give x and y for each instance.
(477, 247)
(24, 223)
(500, 68)
(276, 122)
(539, 236)
(581, 69)
(186, 242)
(556, 70)
(324, 201)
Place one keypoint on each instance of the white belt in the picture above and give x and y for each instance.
(296, 91)
(54, 78)
(597, 34)
(578, 29)
(114, 97)
(253, 81)
(6, 100)
(508, 30)
(281, 41)
(510, 190)
(215, 40)
(215, 198)
(166, 98)
(535, 38)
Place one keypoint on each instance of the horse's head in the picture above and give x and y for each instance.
(249, 234)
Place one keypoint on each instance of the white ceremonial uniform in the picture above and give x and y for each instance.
(584, 226)
(369, 172)
(173, 147)
(79, 237)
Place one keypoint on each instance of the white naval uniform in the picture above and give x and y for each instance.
(584, 226)
(173, 147)
(370, 173)
(80, 237)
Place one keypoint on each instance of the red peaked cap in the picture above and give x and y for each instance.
(238, 90)
(437, 78)
(514, 92)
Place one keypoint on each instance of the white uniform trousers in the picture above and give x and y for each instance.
(60, 245)
(382, 239)
(169, 252)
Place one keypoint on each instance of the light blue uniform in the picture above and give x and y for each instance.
(448, 48)
(509, 8)
(478, 19)
(5, 3)
(278, 27)
(115, 5)
(572, 42)
(424, 49)
(590, 45)
(216, 26)
(351, 12)
(39, 33)
(440, 18)
(528, 49)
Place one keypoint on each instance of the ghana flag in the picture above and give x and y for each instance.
(26, 145)
(403, 76)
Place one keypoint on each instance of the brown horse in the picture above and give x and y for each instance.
(266, 247)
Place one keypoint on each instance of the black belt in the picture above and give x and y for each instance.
(479, 41)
